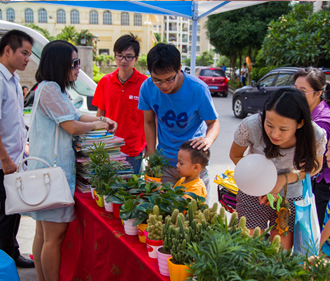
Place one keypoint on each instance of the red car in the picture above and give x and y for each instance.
(215, 78)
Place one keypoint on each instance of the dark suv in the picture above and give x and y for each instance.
(250, 99)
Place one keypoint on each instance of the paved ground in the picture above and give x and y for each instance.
(219, 163)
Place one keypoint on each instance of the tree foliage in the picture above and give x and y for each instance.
(300, 38)
(68, 33)
(43, 31)
(206, 59)
(235, 31)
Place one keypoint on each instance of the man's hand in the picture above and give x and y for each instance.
(112, 125)
(201, 142)
(8, 166)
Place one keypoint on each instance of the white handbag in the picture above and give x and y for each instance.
(37, 190)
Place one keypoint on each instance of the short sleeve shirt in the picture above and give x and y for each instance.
(54, 108)
(180, 116)
(120, 103)
(249, 133)
(196, 186)
(12, 127)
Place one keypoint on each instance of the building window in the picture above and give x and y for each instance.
(124, 18)
(74, 17)
(93, 17)
(184, 38)
(60, 16)
(184, 49)
(137, 19)
(198, 28)
(184, 27)
(172, 37)
(198, 38)
(107, 18)
(172, 26)
(197, 49)
(0, 14)
(10, 14)
(28, 14)
(42, 16)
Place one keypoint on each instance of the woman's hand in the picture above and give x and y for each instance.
(99, 125)
(281, 181)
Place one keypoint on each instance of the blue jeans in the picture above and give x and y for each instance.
(135, 163)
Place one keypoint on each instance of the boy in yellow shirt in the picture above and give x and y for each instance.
(190, 162)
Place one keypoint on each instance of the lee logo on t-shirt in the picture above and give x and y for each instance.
(131, 97)
(170, 118)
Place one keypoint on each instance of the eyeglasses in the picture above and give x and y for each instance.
(305, 93)
(127, 58)
(75, 63)
(158, 82)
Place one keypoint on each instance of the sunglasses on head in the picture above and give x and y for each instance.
(75, 63)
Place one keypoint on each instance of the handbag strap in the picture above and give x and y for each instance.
(28, 134)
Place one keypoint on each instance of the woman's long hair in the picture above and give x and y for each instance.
(56, 63)
(291, 103)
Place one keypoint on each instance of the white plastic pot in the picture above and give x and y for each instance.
(129, 229)
(108, 206)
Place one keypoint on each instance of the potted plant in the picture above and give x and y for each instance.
(154, 229)
(156, 165)
(128, 213)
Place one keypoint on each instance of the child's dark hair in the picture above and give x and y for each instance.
(56, 63)
(198, 156)
(125, 42)
(163, 58)
(14, 39)
(316, 79)
(291, 103)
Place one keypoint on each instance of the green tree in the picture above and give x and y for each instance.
(206, 59)
(43, 31)
(235, 31)
(142, 61)
(158, 36)
(85, 38)
(68, 33)
(186, 61)
(300, 38)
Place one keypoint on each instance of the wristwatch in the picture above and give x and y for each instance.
(101, 118)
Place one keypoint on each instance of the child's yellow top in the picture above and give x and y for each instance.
(196, 186)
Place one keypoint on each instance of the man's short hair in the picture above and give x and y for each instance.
(125, 42)
(163, 58)
(198, 156)
(14, 39)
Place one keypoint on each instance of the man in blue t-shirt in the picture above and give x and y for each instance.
(183, 106)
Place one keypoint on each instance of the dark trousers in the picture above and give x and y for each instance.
(8, 226)
(321, 191)
(244, 81)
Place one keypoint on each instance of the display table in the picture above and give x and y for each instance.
(97, 248)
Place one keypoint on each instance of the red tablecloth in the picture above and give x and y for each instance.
(97, 248)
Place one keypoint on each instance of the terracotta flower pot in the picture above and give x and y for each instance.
(99, 199)
(162, 262)
(129, 229)
(151, 179)
(178, 272)
(141, 228)
(108, 206)
(116, 210)
(152, 246)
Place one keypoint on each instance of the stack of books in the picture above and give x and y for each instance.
(84, 145)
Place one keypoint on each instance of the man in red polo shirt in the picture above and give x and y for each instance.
(117, 97)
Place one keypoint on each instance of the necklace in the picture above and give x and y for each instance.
(122, 81)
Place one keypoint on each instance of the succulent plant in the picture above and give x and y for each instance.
(155, 223)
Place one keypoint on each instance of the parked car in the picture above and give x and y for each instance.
(250, 99)
(186, 69)
(83, 92)
(215, 78)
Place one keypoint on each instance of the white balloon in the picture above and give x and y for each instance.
(255, 175)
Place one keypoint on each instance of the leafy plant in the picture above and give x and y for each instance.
(156, 164)
(103, 170)
(129, 209)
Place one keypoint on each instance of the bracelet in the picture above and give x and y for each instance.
(298, 175)
(101, 118)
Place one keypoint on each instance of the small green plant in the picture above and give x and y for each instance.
(156, 164)
(129, 209)
(155, 223)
